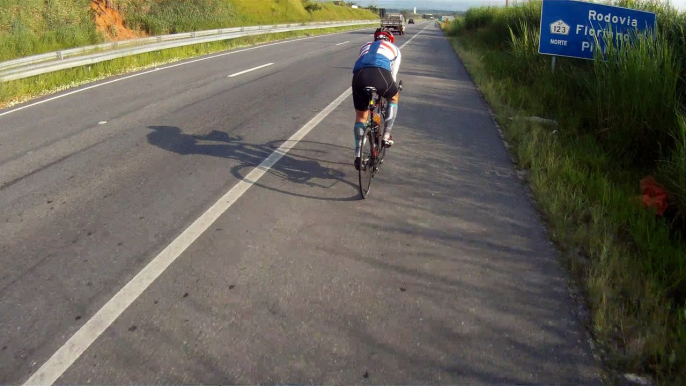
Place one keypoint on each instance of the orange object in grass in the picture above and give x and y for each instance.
(653, 195)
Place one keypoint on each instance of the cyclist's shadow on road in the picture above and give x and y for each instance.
(298, 166)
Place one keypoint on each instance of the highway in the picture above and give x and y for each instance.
(201, 222)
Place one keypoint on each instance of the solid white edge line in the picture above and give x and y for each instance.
(163, 68)
(250, 70)
(51, 370)
(70, 351)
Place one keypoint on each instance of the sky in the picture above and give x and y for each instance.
(455, 5)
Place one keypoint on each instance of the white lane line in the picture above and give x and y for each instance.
(417, 34)
(162, 68)
(343, 43)
(51, 370)
(250, 70)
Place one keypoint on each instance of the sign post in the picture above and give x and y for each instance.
(569, 28)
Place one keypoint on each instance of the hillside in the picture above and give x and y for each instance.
(29, 27)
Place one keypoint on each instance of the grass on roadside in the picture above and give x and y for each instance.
(173, 16)
(260, 11)
(630, 266)
(30, 27)
(21, 90)
(170, 17)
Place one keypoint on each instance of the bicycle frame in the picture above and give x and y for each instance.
(378, 103)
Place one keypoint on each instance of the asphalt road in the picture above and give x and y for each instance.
(282, 275)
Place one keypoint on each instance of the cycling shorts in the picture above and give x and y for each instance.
(380, 78)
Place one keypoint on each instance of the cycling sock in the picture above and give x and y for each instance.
(391, 113)
(359, 132)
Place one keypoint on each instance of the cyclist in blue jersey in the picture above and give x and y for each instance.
(377, 66)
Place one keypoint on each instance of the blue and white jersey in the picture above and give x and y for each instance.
(379, 54)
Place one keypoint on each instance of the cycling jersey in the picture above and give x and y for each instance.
(379, 54)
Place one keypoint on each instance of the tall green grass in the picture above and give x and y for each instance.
(672, 168)
(273, 11)
(173, 16)
(620, 119)
(634, 92)
(29, 27)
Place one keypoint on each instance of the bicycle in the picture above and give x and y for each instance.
(372, 140)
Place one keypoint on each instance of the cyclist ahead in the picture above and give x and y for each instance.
(376, 67)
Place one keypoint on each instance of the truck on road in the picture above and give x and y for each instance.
(392, 21)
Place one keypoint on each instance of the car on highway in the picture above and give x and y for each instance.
(411, 21)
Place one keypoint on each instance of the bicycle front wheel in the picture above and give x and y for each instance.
(367, 161)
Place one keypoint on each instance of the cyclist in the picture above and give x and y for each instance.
(377, 66)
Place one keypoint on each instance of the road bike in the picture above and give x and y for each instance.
(373, 150)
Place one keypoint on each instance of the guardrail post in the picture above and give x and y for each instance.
(59, 55)
(193, 34)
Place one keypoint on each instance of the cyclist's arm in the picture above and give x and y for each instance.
(396, 66)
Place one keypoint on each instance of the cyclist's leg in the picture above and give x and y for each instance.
(360, 102)
(391, 114)
(360, 119)
(392, 96)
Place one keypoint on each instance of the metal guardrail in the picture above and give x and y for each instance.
(83, 56)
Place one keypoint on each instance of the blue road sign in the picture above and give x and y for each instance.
(569, 28)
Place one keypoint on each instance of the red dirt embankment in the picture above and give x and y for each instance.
(110, 21)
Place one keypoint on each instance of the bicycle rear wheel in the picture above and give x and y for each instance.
(367, 161)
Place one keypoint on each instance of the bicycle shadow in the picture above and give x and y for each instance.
(300, 165)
